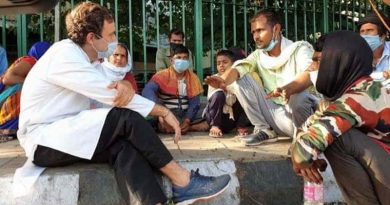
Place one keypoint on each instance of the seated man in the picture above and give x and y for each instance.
(374, 32)
(223, 112)
(277, 61)
(175, 37)
(57, 128)
(10, 89)
(176, 88)
(351, 126)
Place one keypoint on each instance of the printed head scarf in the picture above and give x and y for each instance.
(346, 57)
(38, 49)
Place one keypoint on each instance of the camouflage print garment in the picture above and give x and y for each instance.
(365, 106)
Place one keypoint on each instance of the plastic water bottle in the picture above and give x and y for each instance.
(313, 194)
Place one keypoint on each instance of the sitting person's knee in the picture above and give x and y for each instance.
(218, 96)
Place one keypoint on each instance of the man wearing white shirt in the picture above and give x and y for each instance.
(57, 128)
(374, 32)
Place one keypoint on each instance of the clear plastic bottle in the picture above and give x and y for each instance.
(313, 194)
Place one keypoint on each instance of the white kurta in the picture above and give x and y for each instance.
(55, 104)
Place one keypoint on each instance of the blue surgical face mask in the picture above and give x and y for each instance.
(373, 41)
(181, 65)
(110, 49)
(271, 44)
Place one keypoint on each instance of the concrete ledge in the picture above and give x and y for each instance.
(260, 175)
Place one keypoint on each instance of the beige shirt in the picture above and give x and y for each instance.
(163, 59)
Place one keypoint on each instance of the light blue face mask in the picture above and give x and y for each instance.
(181, 65)
(373, 41)
(110, 49)
(271, 44)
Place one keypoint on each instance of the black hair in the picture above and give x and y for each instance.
(319, 45)
(176, 31)
(374, 19)
(229, 54)
(272, 18)
(179, 49)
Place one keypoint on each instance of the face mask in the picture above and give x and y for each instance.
(271, 44)
(181, 65)
(373, 41)
(313, 76)
(110, 49)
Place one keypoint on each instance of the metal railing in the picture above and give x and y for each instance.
(209, 25)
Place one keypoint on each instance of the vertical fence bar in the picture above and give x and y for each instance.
(346, 14)
(266, 3)
(101, 2)
(144, 40)
(41, 26)
(325, 17)
(170, 15)
(286, 16)
(360, 9)
(314, 20)
(212, 37)
(234, 24)
(198, 39)
(57, 21)
(183, 17)
(130, 29)
(158, 23)
(24, 34)
(304, 20)
(72, 3)
(353, 15)
(223, 25)
(116, 19)
(340, 20)
(333, 18)
(4, 33)
(245, 27)
(295, 21)
(21, 35)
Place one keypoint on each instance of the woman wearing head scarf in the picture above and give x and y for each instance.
(351, 126)
(117, 67)
(10, 89)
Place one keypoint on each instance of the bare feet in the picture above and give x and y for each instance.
(215, 132)
(242, 131)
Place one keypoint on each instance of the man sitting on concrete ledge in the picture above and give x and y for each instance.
(58, 129)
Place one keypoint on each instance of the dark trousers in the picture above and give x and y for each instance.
(215, 116)
(361, 168)
(129, 144)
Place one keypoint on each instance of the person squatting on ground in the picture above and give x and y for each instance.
(351, 126)
(223, 112)
(178, 89)
(57, 128)
(277, 61)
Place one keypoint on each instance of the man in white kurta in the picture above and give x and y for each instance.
(277, 61)
(56, 127)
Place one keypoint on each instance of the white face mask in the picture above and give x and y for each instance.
(110, 49)
(313, 77)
